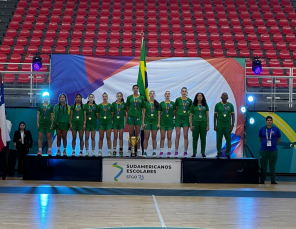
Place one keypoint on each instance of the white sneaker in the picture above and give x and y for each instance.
(100, 154)
(109, 154)
(93, 153)
(86, 153)
(129, 153)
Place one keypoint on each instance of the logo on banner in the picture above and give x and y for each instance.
(120, 172)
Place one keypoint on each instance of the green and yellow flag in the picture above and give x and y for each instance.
(142, 76)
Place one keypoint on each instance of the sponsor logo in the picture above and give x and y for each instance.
(120, 172)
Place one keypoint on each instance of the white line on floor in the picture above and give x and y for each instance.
(158, 212)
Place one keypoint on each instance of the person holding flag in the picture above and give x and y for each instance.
(135, 102)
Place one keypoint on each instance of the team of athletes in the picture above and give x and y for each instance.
(150, 115)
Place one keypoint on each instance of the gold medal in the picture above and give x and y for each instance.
(224, 115)
(167, 115)
(118, 116)
(44, 117)
(77, 117)
(200, 116)
(104, 117)
(135, 108)
(184, 112)
(89, 118)
(152, 114)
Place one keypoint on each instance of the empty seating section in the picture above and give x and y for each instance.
(181, 28)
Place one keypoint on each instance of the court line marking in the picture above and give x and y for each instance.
(159, 213)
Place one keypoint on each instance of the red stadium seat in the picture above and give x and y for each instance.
(274, 30)
(192, 53)
(270, 54)
(17, 18)
(216, 45)
(87, 51)
(153, 52)
(205, 53)
(60, 49)
(242, 45)
(56, 12)
(290, 37)
(48, 41)
(15, 58)
(281, 46)
(231, 52)
(179, 52)
(178, 44)
(253, 82)
(227, 37)
(62, 42)
(284, 54)
(165, 44)
(53, 26)
(27, 25)
(75, 42)
(19, 50)
(32, 49)
(114, 43)
(35, 41)
(166, 52)
(244, 53)
(88, 42)
(101, 43)
(12, 32)
(277, 37)
(267, 45)
(264, 37)
(252, 37)
(188, 36)
(283, 22)
(3, 58)
(46, 49)
(102, 35)
(69, 12)
(77, 34)
(254, 45)
(229, 45)
(239, 37)
(100, 51)
(126, 52)
(8, 41)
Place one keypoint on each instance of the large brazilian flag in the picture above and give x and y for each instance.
(142, 76)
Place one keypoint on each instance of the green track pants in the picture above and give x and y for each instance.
(266, 156)
(223, 131)
(200, 130)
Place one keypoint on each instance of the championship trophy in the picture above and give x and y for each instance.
(133, 140)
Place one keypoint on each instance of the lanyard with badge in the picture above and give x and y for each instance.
(90, 108)
(268, 141)
(118, 110)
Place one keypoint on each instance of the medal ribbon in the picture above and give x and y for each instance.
(167, 108)
(44, 110)
(200, 108)
(118, 109)
(78, 109)
(152, 107)
(105, 110)
(225, 107)
(135, 101)
(90, 111)
(184, 104)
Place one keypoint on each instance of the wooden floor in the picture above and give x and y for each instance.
(219, 208)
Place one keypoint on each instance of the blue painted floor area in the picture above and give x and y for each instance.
(146, 192)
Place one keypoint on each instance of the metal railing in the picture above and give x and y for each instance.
(32, 89)
(272, 96)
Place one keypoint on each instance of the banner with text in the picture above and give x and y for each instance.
(142, 170)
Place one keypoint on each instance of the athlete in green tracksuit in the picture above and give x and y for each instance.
(199, 122)
(61, 123)
(150, 112)
(105, 115)
(77, 123)
(183, 105)
(119, 109)
(44, 124)
(224, 119)
(166, 113)
(91, 124)
(135, 104)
